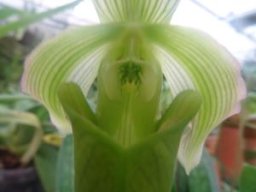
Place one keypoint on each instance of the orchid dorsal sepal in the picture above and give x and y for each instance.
(135, 11)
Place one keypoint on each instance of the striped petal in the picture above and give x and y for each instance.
(145, 11)
(73, 56)
(192, 60)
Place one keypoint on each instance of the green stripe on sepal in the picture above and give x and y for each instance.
(104, 165)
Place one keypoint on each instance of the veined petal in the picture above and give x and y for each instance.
(73, 56)
(145, 11)
(192, 60)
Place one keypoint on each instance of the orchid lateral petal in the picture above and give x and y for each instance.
(144, 11)
(77, 99)
(192, 60)
(182, 109)
(73, 56)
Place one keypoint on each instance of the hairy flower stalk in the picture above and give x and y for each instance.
(124, 145)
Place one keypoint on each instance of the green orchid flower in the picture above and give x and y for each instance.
(124, 145)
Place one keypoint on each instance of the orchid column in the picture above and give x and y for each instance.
(125, 145)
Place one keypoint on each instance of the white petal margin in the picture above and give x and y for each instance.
(73, 56)
(145, 11)
(191, 59)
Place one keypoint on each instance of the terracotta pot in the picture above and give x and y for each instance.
(229, 151)
(19, 180)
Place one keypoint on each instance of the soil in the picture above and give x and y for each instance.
(9, 160)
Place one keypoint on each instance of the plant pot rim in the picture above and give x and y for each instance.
(22, 171)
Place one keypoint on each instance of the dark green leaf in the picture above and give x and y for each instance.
(248, 179)
(65, 166)
(45, 161)
(202, 178)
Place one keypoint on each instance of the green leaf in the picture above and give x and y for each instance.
(144, 11)
(192, 60)
(247, 180)
(32, 18)
(46, 165)
(6, 11)
(202, 178)
(181, 179)
(65, 166)
(73, 56)
(103, 165)
(13, 97)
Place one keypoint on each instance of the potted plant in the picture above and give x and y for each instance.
(250, 141)
(249, 128)
(229, 151)
(21, 131)
(237, 141)
(20, 137)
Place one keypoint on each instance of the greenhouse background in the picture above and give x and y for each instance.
(34, 156)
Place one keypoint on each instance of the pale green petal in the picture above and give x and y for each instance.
(192, 60)
(145, 11)
(73, 56)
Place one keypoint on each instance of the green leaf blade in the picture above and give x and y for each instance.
(46, 163)
(201, 179)
(65, 166)
(247, 180)
(32, 18)
(6, 12)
